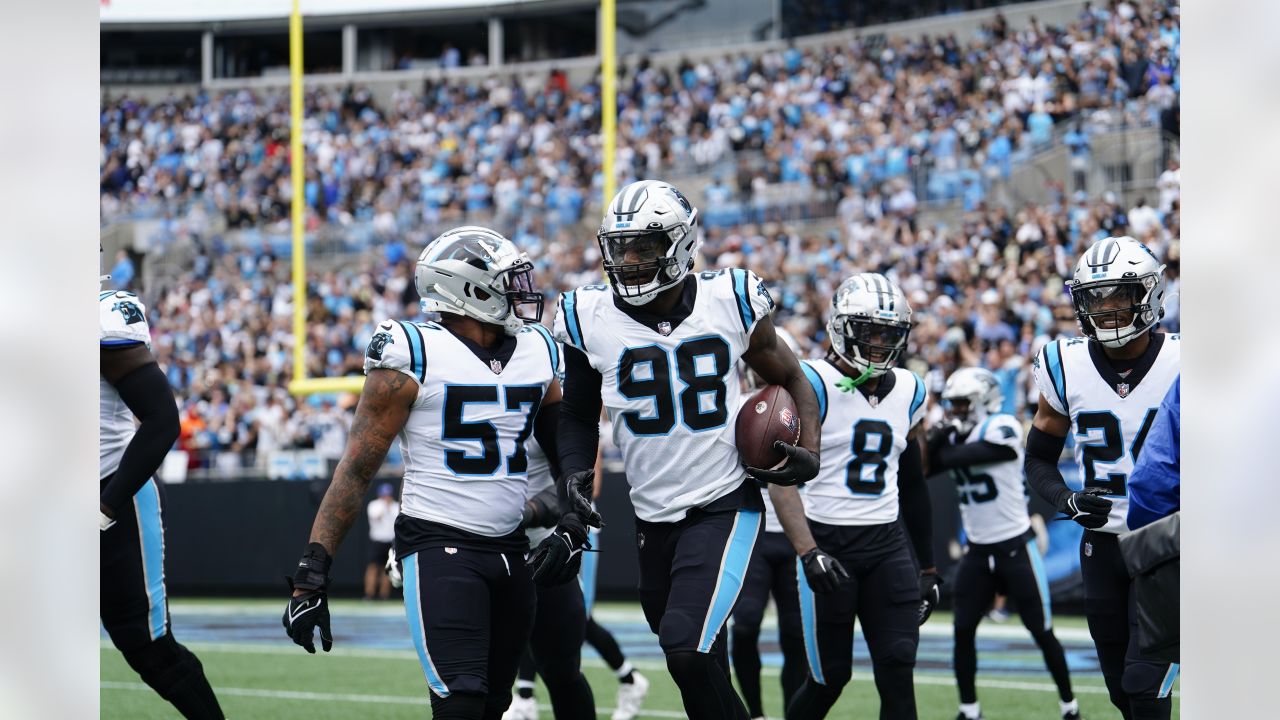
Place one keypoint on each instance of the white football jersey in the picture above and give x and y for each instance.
(672, 390)
(993, 497)
(122, 321)
(464, 445)
(861, 443)
(1110, 415)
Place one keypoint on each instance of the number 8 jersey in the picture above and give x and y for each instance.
(670, 384)
(862, 441)
(1110, 414)
(465, 460)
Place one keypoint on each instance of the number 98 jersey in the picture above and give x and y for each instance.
(466, 464)
(670, 384)
(1110, 414)
(861, 444)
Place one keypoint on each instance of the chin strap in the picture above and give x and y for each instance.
(849, 384)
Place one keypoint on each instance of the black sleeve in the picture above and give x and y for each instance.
(146, 392)
(545, 426)
(1041, 465)
(579, 424)
(982, 452)
(913, 499)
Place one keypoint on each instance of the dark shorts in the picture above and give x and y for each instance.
(133, 604)
(691, 572)
(1011, 567)
(470, 613)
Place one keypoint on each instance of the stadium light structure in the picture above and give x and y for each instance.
(303, 385)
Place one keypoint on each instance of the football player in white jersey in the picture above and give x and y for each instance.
(1105, 389)
(134, 606)
(658, 347)
(872, 419)
(772, 572)
(462, 395)
(982, 448)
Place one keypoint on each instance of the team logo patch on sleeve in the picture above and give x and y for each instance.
(378, 344)
(129, 310)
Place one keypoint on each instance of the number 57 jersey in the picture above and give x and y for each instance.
(669, 383)
(1110, 413)
(465, 461)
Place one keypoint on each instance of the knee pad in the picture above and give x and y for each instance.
(679, 632)
(901, 653)
(461, 706)
(1142, 679)
(163, 664)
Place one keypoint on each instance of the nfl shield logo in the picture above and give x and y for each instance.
(664, 327)
(1122, 389)
(1088, 549)
(496, 366)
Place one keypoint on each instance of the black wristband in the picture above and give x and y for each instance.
(313, 569)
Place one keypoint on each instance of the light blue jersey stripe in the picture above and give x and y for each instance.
(571, 319)
(809, 622)
(1042, 582)
(413, 610)
(745, 311)
(1166, 687)
(587, 576)
(916, 401)
(1053, 358)
(819, 388)
(146, 504)
(733, 570)
(552, 348)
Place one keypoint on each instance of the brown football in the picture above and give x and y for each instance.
(767, 416)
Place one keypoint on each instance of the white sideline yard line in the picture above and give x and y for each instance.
(651, 665)
(345, 697)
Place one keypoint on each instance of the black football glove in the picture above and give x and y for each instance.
(801, 466)
(823, 572)
(930, 595)
(1088, 507)
(580, 486)
(558, 557)
(310, 609)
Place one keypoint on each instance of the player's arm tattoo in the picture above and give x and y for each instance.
(775, 362)
(790, 511)
(382, 412)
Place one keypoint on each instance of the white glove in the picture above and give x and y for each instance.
(104, 522)
(393, 569)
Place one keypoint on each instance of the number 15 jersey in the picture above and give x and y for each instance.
(670, 384)
(1110, 414)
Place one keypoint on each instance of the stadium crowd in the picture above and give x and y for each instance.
(865, 128)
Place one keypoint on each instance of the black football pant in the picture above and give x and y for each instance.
(558, 629)
(470, 615)
(772, 571)
(883, 591)
(690, 575)
(1013, 567)
(1140, 688)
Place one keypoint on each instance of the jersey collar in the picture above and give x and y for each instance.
(1141, 365)
(501, 354)
(664, 324)
(883, 388)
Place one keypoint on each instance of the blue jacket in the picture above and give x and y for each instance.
(1155, 485)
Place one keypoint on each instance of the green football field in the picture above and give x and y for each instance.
(258, 673)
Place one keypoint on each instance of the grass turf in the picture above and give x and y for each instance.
(282, 682)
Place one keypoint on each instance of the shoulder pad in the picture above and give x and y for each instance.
(1002, 429)
(122, 319)
(574, 311)
(1048, 371)
(401, 346)
(750, 297)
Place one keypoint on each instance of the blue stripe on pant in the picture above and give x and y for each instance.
(146, 505)
(413, 610)
(1170, 675)
(1042, 581)
(809, 622)
(733, 570)
(587, 575)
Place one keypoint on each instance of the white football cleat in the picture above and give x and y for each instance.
(521, 709)
(631, 697)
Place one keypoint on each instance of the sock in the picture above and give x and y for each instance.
(971, 710)
(624, 673)
(524, 688)
(1069, 707)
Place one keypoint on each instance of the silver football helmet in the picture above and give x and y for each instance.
(971, 394)
(1117, 290)
(648, 240)
(476, 272)
(869, 323)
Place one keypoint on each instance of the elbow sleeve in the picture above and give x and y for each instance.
(146, 392)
